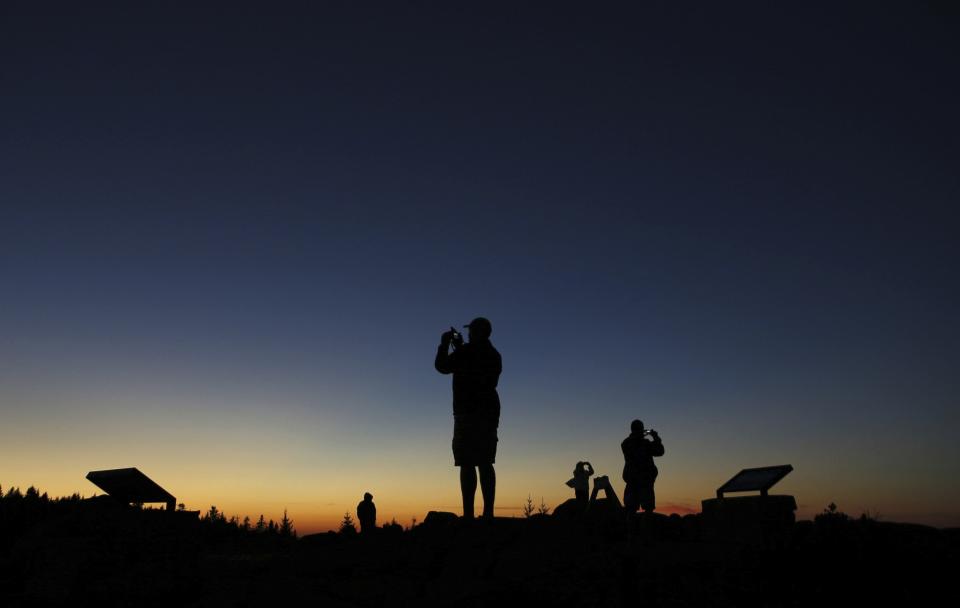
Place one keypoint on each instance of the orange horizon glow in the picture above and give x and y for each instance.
(247, 463)
(318, 516)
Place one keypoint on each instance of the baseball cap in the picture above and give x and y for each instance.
(481, 325)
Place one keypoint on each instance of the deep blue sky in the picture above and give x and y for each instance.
(738, 223)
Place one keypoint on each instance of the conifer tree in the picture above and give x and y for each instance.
(543, 509)
(286, 526)
(528, 509)
(346, 526)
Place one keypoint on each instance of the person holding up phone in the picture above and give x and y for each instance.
(476, 367)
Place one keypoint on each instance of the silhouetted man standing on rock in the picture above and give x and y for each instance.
(367, 514)
(638, 469)
(476, 368)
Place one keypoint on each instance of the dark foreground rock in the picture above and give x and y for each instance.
(122, 557)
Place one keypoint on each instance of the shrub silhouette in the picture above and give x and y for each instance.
(393, 526)
(347, 527)
(528, 509)
(831, 514)
(543, 509)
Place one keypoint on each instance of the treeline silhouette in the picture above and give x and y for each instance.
(218, 521)
(24, 510)
(20, 511)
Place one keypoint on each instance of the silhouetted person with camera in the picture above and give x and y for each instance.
(638, 469)
(581, 482)
(476, 367)
(367, 514)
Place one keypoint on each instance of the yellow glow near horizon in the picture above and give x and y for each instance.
(251, 463)
(316, 501)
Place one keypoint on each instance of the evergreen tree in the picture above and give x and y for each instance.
(528, 509)
(246, 523)
(346, 526)
(543, 509)
(286, 526)
(261, 525)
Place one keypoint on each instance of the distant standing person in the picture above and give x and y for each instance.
(638, 469)
(367, 514)
(476, 368)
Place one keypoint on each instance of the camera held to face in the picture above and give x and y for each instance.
(452, 336)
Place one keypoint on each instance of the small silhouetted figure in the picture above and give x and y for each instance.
(638, 469)
(581, 481)
(476, 368)
(367, 514)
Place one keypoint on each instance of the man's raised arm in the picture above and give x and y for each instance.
(656, 446)
(445, 360)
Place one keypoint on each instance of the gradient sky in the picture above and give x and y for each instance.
(231, 235)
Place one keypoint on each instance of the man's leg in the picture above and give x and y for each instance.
(631, 501)
(648, 500)
(468, 488)
(488, 486)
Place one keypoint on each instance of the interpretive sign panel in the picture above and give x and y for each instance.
(750, 480)
(131, 486)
